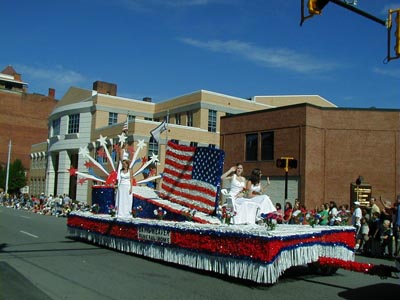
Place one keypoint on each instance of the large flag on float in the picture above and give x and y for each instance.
(192, 176)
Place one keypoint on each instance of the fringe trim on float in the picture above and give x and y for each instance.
(247, 269)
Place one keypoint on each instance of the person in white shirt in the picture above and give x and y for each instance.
(356, 222)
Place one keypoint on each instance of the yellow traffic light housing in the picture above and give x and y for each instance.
(397, 35)
(315, 6)
(393, 21)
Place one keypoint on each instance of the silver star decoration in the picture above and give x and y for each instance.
(141, 144)
(84, 151)
(102, 140)
(153, 157)
(122, 138)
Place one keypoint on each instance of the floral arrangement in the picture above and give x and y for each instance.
(313, 218)
(270, 220)
(227, 213)
(136, 210)
(245, 193)
(188, 213)
(160, 213)
(382, 271)
(95, 208)
(344, 217)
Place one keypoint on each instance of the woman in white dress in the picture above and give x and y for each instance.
(237, 181)
(243, 211)
(249, 202)
(256, 193)
(124, 193)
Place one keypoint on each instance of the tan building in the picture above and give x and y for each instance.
(82, 115)
(23, 117)
(333, 146)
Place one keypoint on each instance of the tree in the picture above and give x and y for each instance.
(2, 177)
(16, 177)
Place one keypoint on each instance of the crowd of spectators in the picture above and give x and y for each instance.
(59, 206)
(379, 233)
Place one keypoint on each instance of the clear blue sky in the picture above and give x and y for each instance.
(166, 48)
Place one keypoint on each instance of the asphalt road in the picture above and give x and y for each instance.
(39, 261)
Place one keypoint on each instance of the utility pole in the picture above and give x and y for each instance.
(8, 166)
(286, 163)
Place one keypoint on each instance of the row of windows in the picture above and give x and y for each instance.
(260, 146)
(73, 124)
(73, 121)
(38, 163)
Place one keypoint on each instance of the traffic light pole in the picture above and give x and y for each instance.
(286, 184)
(359, 11)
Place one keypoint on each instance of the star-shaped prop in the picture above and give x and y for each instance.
(102, 140)
(122, 138)
(101, 153)
(153, 157)
(141, 144)
(89, 164)
(112, 178)
(84, 151)
(72, 171)
(81, 181)
(117, 148)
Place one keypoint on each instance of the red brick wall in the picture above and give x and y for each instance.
(333, 147)
(23, 119)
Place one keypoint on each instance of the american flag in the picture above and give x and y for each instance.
(126, 124)
(192, 176)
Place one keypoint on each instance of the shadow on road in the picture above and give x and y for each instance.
(376, 291)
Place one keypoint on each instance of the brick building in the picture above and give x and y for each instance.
(23, 117)
(82, 115)
(333, 146)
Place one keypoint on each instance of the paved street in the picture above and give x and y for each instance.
(39, 261)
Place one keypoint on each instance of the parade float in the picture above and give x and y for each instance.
(182, 223)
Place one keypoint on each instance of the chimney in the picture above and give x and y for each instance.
(105, 88)
(17, 77)
(147, 99)
(52, 93)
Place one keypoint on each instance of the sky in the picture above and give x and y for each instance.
(167, 48)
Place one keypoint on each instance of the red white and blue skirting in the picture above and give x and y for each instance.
(249, 252)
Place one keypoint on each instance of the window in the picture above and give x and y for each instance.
(73, 123)
(152, 147)
(267, 145)
(148, 119)
(189, 118)
(131, 118)
(56, 127)
(175, 141)
(251, 147)
(212, 120)
(178, 119)
(193, 144)
(112, 118)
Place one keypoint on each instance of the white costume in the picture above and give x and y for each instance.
(247, 209)
(124, 198)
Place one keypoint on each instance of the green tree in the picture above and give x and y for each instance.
(17, 177)
(2, 177)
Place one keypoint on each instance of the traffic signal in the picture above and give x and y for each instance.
(293, 164)
(281, 163)
(397, 34)
(286, 163)
(315, 6)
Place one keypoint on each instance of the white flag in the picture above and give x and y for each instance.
(155, 133)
